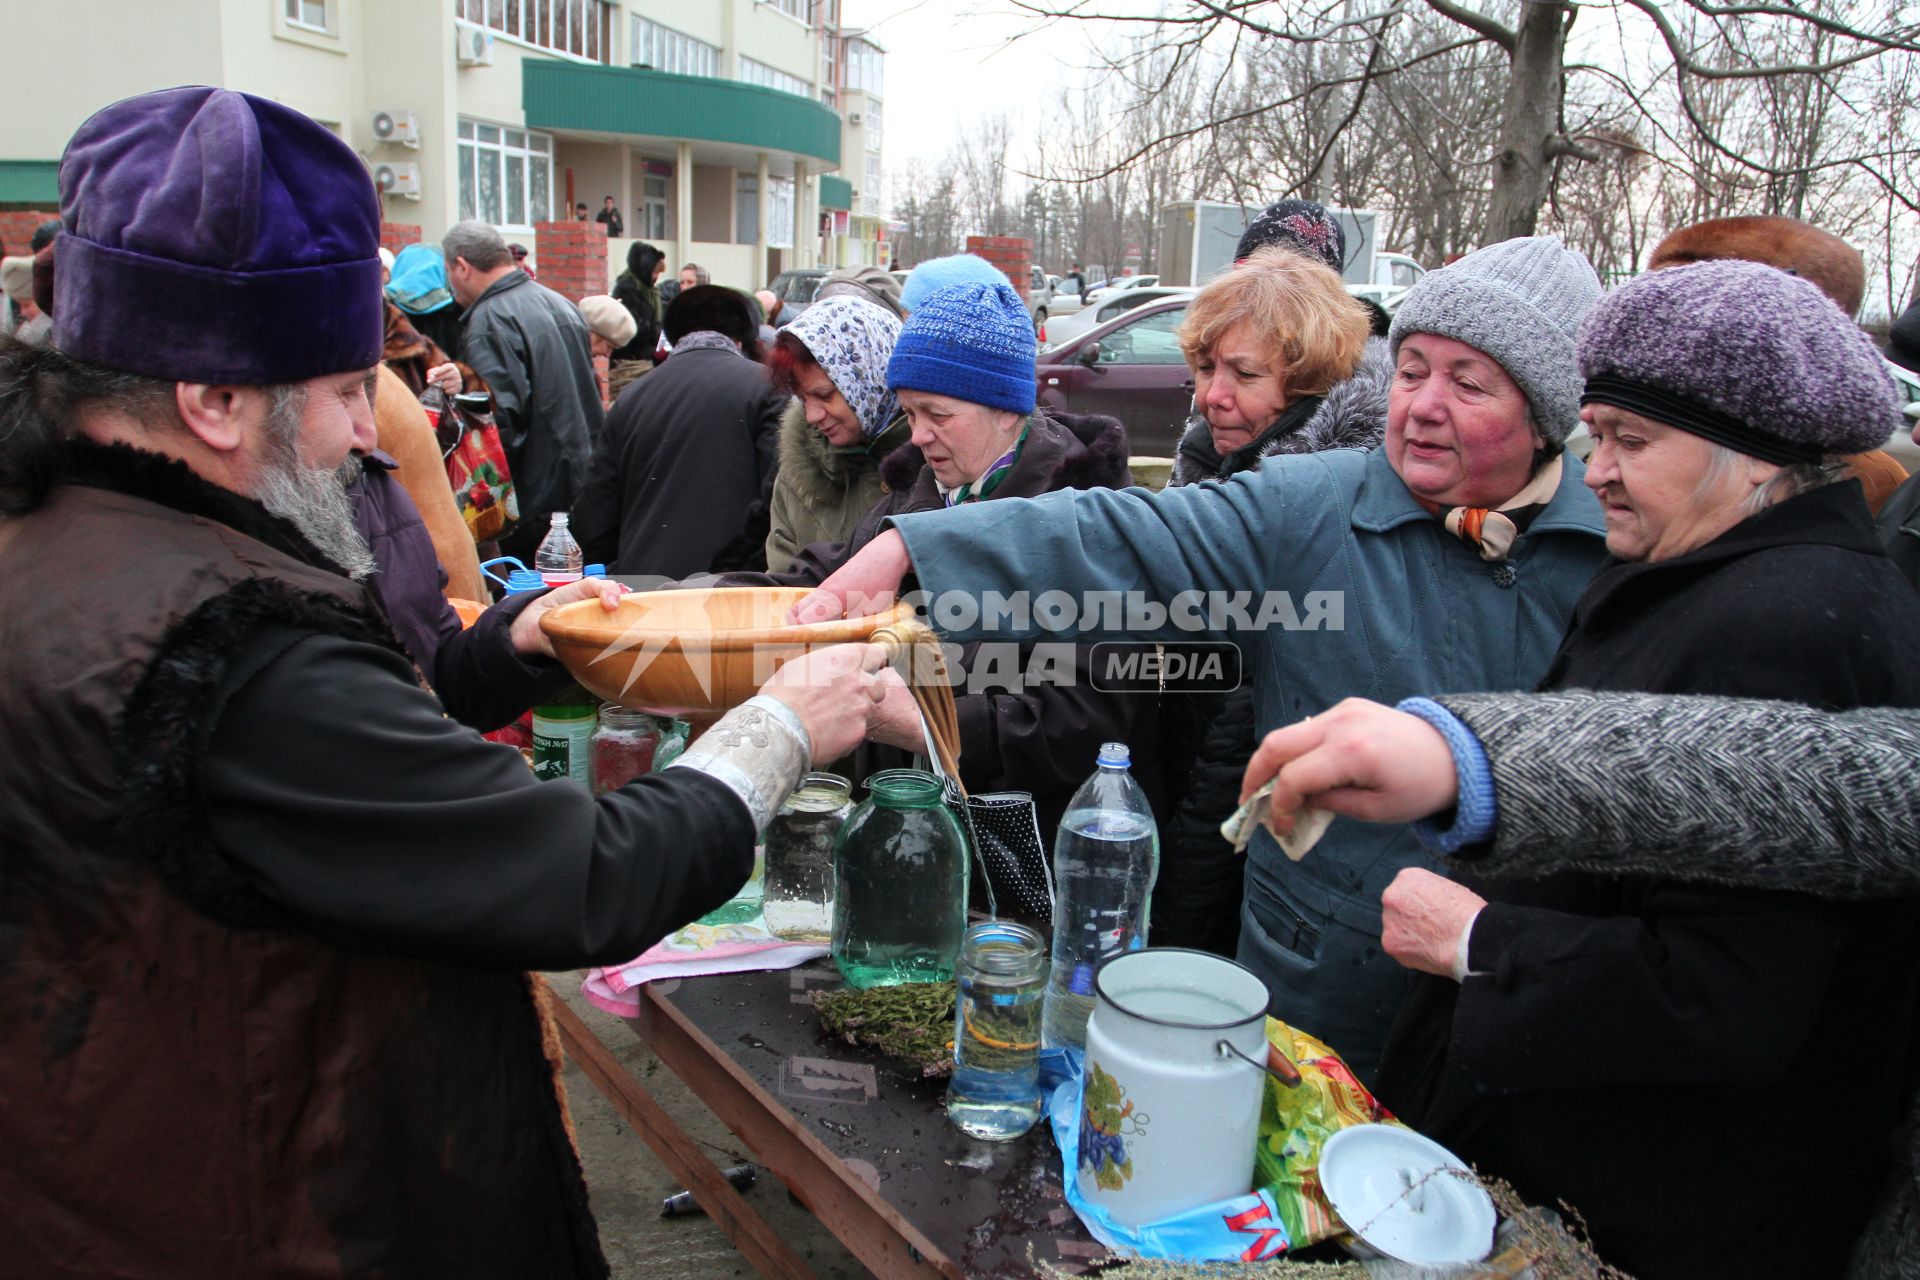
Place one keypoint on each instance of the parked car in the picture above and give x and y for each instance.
(1094, 314)
(1131, 367)
(1119, 284)
(796, 287)
(1039, 296)
(1065, 302)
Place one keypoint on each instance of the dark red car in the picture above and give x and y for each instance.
(1130, 367)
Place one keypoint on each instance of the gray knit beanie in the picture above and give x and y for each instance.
(1521, 302)
(1744, 355)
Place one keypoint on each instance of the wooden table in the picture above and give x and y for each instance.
(864, 1146)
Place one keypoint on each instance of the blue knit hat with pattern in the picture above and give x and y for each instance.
(973, 342)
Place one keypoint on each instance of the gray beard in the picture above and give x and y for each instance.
(315, 502)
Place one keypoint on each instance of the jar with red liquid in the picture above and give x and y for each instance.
(624, 744)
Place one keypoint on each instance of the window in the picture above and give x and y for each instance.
(506, 175)
(752, 72)
(310, 14)
(828, 94)
(1153, 339)
(579, 27)
(872, 195)
(665, 49)
(798, 10)
(872, 115)
(865, 68)
(746, 209)
(653, 209)
(780, 213)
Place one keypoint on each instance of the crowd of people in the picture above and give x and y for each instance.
(1619, 902)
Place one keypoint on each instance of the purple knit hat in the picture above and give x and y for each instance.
(216, 237)
(1744, 355)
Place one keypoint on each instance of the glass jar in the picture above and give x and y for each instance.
(624, 744)
(1001, 985)
(797, 899)
(899, 884)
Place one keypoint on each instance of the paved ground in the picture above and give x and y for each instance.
(627, 1183)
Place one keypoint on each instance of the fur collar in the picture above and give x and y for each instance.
(140, 473)
(1352, 415)
(821, 474)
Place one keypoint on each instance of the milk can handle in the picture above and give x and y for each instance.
(1276, 1064)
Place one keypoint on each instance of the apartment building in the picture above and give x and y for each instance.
(740, 134)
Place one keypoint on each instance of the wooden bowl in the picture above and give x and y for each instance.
(692, 652)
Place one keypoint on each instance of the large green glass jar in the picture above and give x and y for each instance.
(900, 884)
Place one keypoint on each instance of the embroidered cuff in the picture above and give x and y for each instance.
(1476, 813)
(759, 750)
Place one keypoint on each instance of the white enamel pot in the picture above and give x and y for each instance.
(1170, 1112)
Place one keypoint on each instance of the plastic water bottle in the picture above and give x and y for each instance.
(1104, 863)
(559, 559)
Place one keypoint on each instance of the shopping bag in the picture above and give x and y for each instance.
(477, 467)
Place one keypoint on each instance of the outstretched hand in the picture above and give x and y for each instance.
(835, 691)
(1360, 759)
(867, 583)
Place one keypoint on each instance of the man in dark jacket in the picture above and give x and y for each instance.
(684, 471)
(263, 1007)
(637, 290)
(533, 350)
(609, 217)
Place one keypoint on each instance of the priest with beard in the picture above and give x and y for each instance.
(267, 911)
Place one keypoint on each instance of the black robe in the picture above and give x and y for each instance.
(1708, 1075)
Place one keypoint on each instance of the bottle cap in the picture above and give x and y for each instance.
(1115, 753)
(594, 571)
(524, 580)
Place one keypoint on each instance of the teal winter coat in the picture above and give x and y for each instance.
(1380, 602)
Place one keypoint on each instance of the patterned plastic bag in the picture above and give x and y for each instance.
(477, 467)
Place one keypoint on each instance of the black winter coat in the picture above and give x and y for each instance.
(1655, 1053)
(532, 347)
(683, 473)
(1043, 739)
(1209, 737)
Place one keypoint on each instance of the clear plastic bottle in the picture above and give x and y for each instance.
(1104, 863)
(559, 559)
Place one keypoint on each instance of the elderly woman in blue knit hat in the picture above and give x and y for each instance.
(962, 371)
(1448, 558)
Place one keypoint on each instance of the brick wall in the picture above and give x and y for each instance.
(16, 229)
(396, 236)
(571, 257)
(1012, 254)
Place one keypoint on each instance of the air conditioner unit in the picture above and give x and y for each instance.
(397, 126)
(855, 117)
(398, 180)
(472, 46)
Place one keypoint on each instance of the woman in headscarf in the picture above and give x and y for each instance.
(842, 422)
(423, 319)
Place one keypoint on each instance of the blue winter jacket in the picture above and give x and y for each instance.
(1381, 603)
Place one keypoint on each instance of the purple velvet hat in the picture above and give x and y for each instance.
(216, 237)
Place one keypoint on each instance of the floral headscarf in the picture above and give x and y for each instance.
(852, 339)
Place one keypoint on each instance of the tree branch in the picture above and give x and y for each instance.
(1489, 29)
(1685, 63)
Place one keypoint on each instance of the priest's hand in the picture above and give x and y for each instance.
(869, 582)
(1360, 759)
(531, 641)
(1424, 920)
(834, 691)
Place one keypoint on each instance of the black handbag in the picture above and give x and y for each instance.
(1010, 864)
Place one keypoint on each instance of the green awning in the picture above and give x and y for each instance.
(633, 100)
(31, 182)
(835, 192)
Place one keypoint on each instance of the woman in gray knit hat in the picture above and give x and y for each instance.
(1566, 1020)
(1448, 558)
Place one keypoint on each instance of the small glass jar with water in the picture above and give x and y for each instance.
(899, 884)
(797, 901)
(1001, 983)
